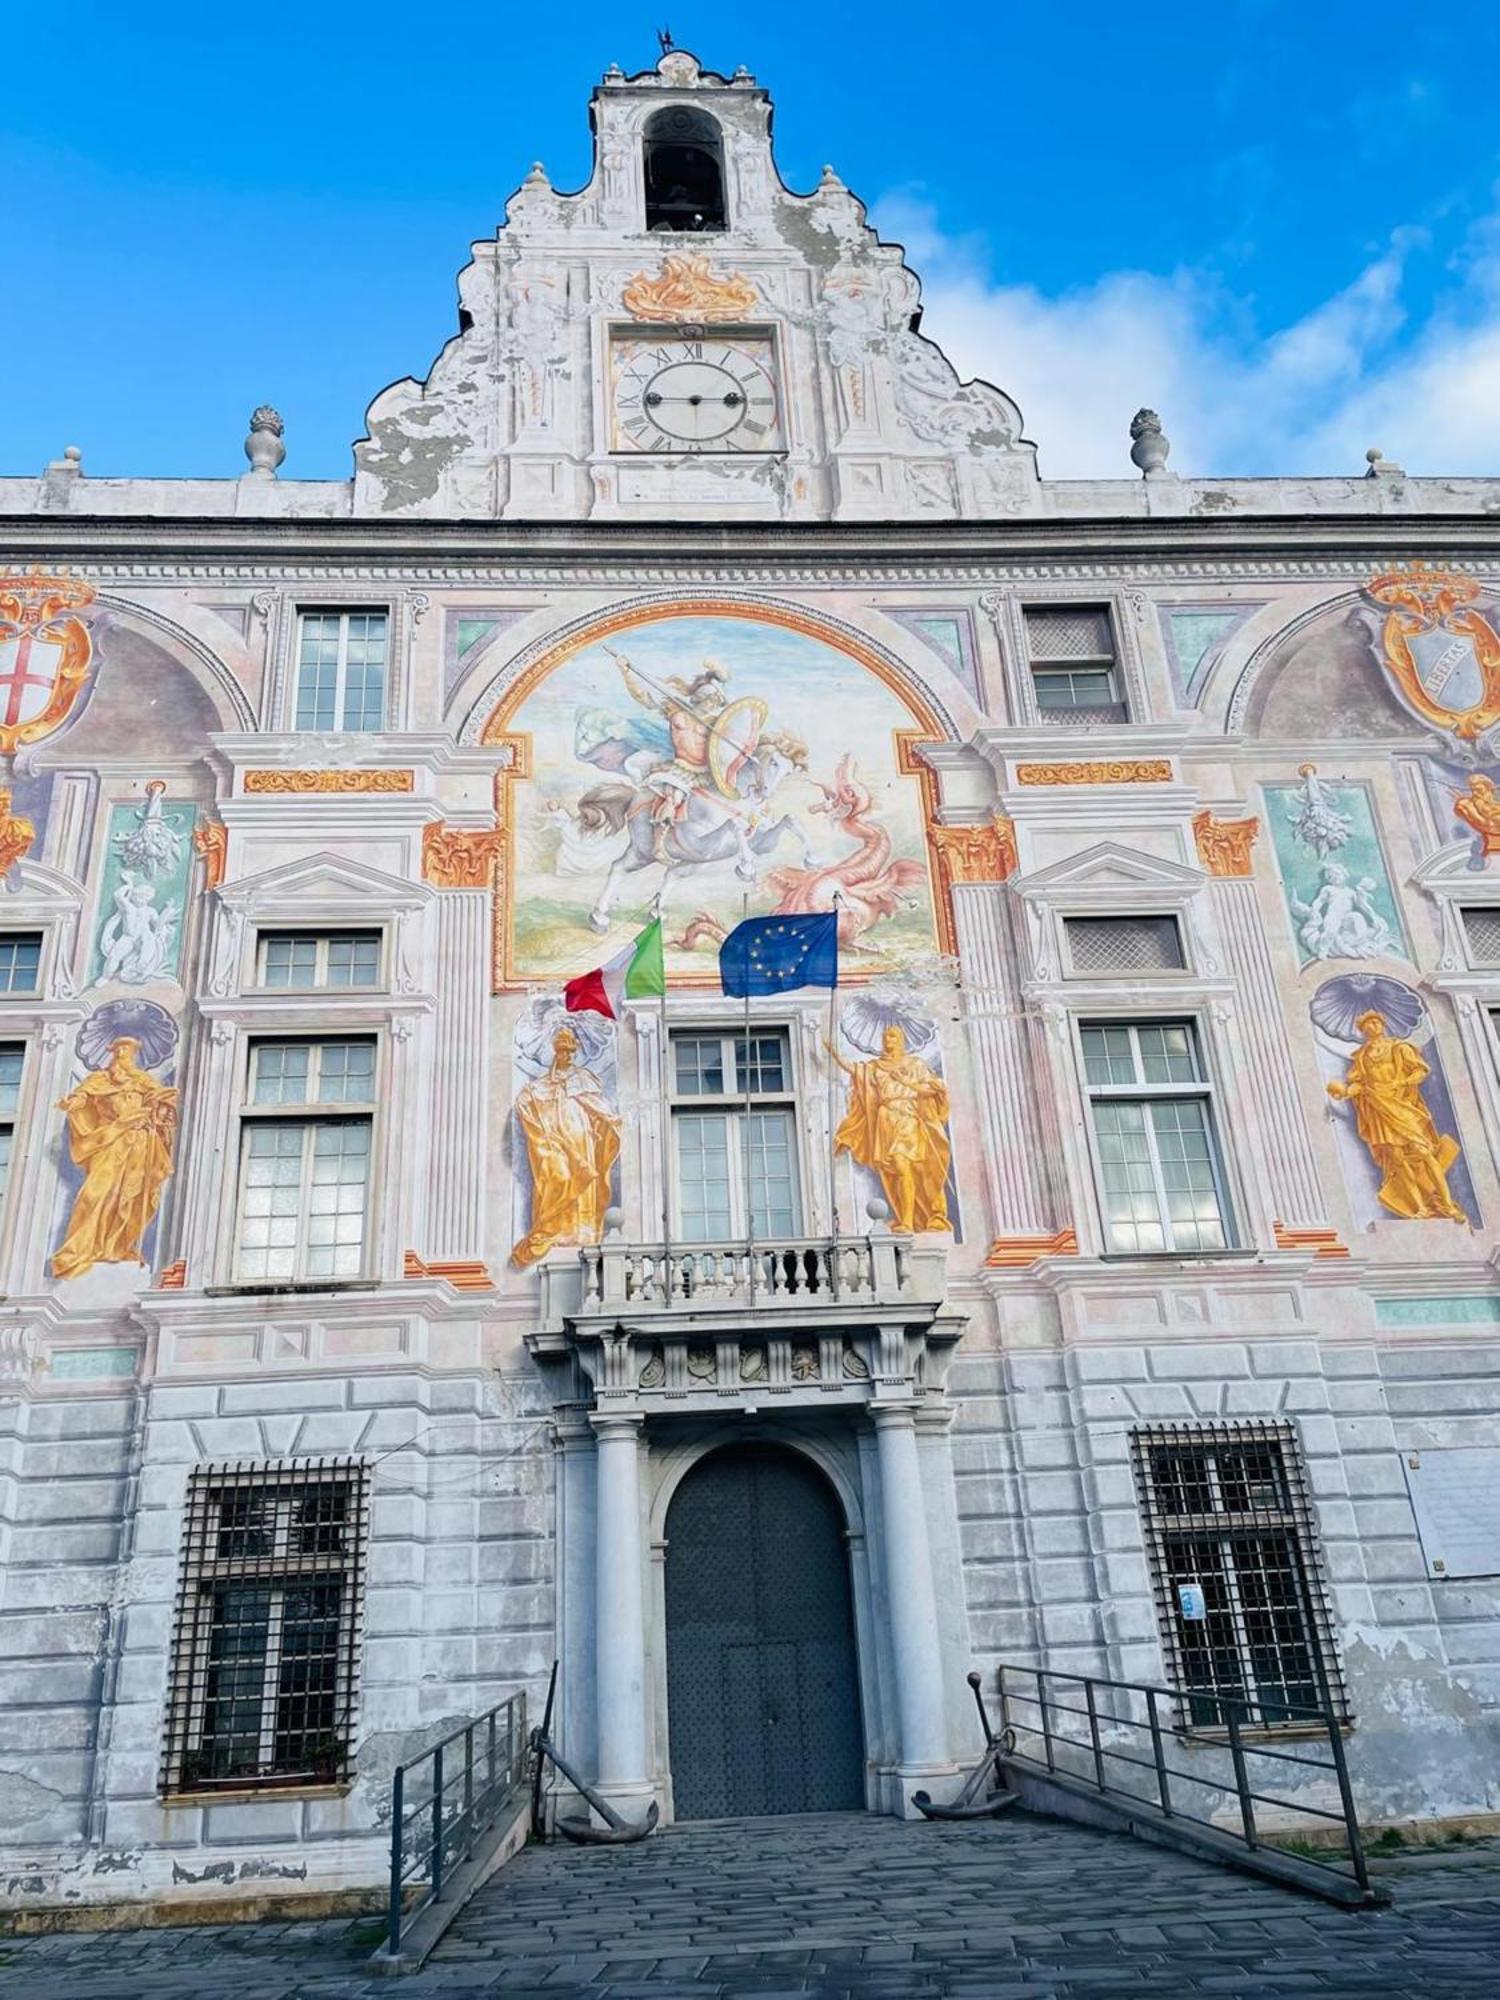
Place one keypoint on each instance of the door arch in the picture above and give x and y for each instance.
(763, 1710)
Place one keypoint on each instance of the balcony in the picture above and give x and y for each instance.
(804, 1318)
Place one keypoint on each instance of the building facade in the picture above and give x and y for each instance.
(1103, 1276)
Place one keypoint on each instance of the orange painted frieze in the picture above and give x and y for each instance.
(329, 781)
(1113, 771)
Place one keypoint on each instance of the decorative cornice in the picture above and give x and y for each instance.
(969, 854)
(211, 838)
(1110, 771)
(456, 858)
(464, 1274)
(1015, 1253)
(1224, 844)
(329, 781)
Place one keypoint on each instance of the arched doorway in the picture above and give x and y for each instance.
(762, 1682)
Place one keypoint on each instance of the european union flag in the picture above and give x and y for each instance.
(774, 954)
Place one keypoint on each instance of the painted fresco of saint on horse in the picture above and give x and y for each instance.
(709, 765)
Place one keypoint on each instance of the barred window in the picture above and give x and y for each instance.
(1124, 944)
(341, 664)
(302, 961)
(20, 961)
(12, 1063)
(305, 1142)
(1237, 1574)
(1161, 1179)
(1482, 929)
(270, 1604)
(1073, 664)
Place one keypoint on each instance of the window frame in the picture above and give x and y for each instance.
(731, 1103)
(1202, 1089)
(1294, 1519)
(343, 612)
(10, 1121)
(323, 934)
(205, 1570)
(1076, 714)
(310, 1114)
(39, 932)
(1464, 910)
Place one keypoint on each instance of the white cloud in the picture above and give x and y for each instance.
(1357, 370)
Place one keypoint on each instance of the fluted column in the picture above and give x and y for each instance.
(619, 1614)
(920, 1702)
(456, 1214)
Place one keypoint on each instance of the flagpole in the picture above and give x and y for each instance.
(745, 1137)
(833, 1042)
(665, 1112)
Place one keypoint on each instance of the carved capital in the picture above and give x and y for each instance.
(211, 838)
(967, 854)
(1224, 844)
(457, 858)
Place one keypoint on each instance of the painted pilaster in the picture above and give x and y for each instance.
(619, 1615)
(456, 1213)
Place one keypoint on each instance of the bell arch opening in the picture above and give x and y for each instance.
(682, 156)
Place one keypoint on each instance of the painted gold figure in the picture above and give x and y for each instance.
(572, 1141)
(1479, 809)
(897, 1124)
(1384, 1084)
(121, 1123)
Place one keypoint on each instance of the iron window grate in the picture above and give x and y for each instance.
(1226, 1511)
(1482, 929)
(1071, 632)
(270, 1612)
(1124, 944)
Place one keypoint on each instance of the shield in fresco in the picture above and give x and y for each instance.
(44, 655)
(1439, 650)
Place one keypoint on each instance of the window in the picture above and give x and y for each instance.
(734, 1134)
(341, 670)
(266, 1646)
(683, 158)
(1073, 665)
(20, 961)
(305, 1161)
(1482, 929)
(1124, 944)
(12, 1062)
(300, 961)
(1226, 1515)
(1161, 1186)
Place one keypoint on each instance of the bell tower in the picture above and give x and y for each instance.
(686, 339)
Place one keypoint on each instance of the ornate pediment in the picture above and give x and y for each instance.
(1111, 876)
(322, 886)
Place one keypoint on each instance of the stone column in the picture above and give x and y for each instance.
(619, 1616)
(915, 1641)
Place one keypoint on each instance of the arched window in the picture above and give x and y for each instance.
(684, 163)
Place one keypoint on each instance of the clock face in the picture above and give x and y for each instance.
(676, 394)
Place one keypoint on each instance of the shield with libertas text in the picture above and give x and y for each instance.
(1439, 651)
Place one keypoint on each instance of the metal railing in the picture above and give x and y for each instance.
(1116, 1737)
(443, 1802)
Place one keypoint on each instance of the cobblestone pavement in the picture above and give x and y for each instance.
(840, 1904)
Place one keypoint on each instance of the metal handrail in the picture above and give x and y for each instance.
(442, 1803)
(1027, 1692)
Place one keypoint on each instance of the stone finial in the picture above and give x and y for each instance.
(1150, 447)
(263, 447)
(1382, 467)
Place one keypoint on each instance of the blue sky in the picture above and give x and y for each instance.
(1278, 224)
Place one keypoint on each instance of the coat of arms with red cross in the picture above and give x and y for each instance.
(44, 654)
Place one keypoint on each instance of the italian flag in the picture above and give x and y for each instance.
(638, 972)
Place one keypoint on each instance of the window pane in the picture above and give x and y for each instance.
(354, 958)
(1108, 1055)
(1132, 1210)
(703, 1175)
(271, 1200)
(318, 671)
(20, 961)
(280, 1072)
(336, 1199)
(346, 1072)
(699, 1065)
(12, 1061)
(771, 1173)
(307, 1679)
(1169, 1052)
(1079, 687)
(289, 960)
(761, 1063)
(234, 1691)
(1189, 1191)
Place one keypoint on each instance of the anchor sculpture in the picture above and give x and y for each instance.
(615, 1830)
(983, 1795)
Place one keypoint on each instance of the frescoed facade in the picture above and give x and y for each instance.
(365, 1315)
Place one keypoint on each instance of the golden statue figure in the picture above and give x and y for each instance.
(1479, 809)
(897, 1124)
(121, 1123)
(572, 1141)
(1384, 1084)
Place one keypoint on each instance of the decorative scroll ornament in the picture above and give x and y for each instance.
(968, 854)
(16, 835)
(44, 655)
(1116, 771)
(1440, 654)
(685, 288)
(330, 781)
(455, 858)
(1224, 844)
(211, 838)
